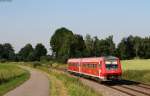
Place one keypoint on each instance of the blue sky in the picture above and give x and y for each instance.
(34, 21)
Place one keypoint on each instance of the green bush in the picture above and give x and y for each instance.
(36, 63)
(3, 60)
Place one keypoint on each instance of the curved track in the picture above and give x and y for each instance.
(128, 88)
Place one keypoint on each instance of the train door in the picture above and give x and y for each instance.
(99, 68)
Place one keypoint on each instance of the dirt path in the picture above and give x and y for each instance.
(37, 85)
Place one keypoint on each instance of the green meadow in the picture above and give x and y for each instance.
(136, 70)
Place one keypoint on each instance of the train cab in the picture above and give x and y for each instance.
(112, 68)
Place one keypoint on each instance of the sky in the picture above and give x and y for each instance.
(35, 21)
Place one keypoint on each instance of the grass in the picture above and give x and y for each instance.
(136, 70)
(70, 86)
(57, 88)
(11, 76)
(137, 64)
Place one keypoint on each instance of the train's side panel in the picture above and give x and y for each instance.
(101, 68)
(73, 65)
(89, 66)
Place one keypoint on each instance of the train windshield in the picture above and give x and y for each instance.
(111, 64)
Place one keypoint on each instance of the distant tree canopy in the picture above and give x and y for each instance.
(28, 53)
(25, 52)
(39, 51)
(61, 42)
(65, 44)
(7, 51)
(77, 47)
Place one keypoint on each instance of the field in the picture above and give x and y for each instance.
(11, 76)
(136, 70)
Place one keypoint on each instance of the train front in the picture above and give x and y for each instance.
(112, 68)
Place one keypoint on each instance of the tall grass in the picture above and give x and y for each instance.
(8, 72)
(11, 76)
(57, 88)
(73, 85)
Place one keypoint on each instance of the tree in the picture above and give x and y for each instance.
(61, 42)
(137, 42)
(104, 46)
(25, 52)
(39, 51)
(96, 49)
(1, 51)
(8, 52)
(126, 48)
(144, 47)
(89, 43)
(78, 46)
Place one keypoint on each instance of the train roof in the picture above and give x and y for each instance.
(91, 59)
(110, 57)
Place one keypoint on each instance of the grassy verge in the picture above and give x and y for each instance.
(136, 70)
(11, 76)
(71, 86)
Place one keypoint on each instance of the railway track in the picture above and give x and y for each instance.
(130, 87)
(130, 91)
(127, 87)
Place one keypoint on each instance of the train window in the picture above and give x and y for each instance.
(70, 64)
(95, 65)
(88, 65)
(84, 65)
(111, 65)
(91, 65)
(99, 65)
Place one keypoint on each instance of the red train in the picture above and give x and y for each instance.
(102, 68)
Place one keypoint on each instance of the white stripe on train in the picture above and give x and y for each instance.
(88, 74)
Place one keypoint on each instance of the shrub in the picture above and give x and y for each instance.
(36, 63)
(3, 60)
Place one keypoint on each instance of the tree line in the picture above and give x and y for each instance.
(27, 53)
(65, 44)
